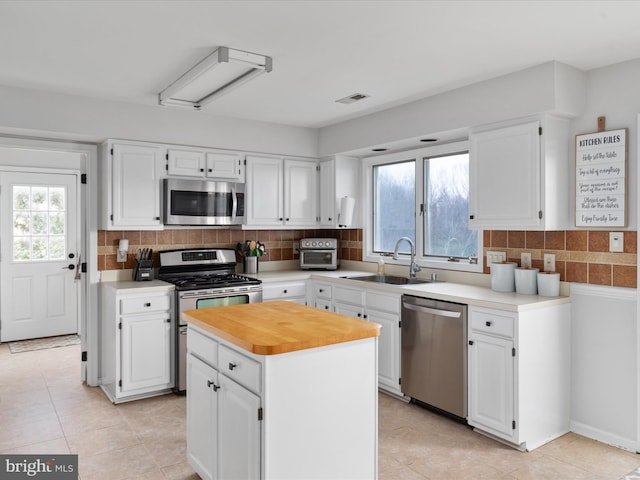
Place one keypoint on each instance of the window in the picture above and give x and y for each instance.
(422, 195)
(38, 223)
(446, 208)
(394, 196)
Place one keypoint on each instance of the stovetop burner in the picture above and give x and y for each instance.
(191, 269)
(211, 281)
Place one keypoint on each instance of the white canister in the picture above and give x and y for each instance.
(549, 284)
(526, 280)
(502, 277)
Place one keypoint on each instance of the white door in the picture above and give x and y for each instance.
(38, 255)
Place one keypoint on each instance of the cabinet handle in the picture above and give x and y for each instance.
(470, 342)
(285, 291)
(329, 219)
(487, 323)
(326, 307)
(232, 366)
(148, 304)
(202, 169)
(211, 384)
(359, 315)
(210, 170)
(287, 219)
(168, 320)
(320, 290)
(280, 218)
(364, 316)
(471, 217)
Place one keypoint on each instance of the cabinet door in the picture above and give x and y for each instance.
(224, 165)
(300, 193)
(136, 185)
(491, 384)
(146, 352)
(504, 176)
(202, 418)
(328, 204)
(264, 191)
(186, 163)
(388, 349)
(239, 420)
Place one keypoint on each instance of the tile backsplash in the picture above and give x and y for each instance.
(581, 256)
(278, 243)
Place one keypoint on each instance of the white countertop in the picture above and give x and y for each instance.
(448, 291)
(147, 286)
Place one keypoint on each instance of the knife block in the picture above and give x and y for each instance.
(143, 270)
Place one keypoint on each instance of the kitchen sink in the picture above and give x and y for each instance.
(389, 279)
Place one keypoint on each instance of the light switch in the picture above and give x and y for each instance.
(616, 241)
(496, 257)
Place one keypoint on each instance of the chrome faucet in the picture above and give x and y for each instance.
(413, 268)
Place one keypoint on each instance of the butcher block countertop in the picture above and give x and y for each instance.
(271, 328)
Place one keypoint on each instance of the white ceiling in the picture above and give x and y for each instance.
(394, 51)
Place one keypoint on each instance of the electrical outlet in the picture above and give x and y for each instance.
(616, 241)
(525, 260)
(549, 262)
(496, 257)
(296, 247)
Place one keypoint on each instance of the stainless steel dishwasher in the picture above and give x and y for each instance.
(434, 353)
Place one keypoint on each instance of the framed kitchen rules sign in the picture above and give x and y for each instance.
(601, 179)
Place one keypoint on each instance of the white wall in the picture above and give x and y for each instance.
(48, 115)
(604, 360)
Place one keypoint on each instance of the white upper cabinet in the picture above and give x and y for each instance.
(519, 176)
(131, 195)
(264, 191)
(338, 179)
(300, 193)
(205, 164)
(281, 192)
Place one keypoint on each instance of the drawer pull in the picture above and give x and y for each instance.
(211, 384)
(285, 291)
(487, 323)
(321, 290)
(470, 342)
(232, 366)
(148, 304)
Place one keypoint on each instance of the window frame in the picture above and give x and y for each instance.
(418, 156)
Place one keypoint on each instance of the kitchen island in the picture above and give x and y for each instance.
(281, 391)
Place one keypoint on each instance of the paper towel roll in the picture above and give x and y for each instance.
(345, 217)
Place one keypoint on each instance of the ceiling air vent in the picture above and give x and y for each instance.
(352, 98)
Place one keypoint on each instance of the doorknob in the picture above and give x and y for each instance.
(70, 267)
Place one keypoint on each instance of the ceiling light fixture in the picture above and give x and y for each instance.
(427, 140)
(217, 74)
(355, 97)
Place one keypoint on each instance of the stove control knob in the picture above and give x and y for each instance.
(327, 244)
(313, 244)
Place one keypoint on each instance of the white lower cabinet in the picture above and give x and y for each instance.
(222, 423)
(137, 341)
(518, 368)
(374, 306)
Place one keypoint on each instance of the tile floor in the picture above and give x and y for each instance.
(44, 409)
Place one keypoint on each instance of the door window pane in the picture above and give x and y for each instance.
(393, 205)
(39, 222)
(446, 190)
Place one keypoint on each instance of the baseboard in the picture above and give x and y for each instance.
(604, 437)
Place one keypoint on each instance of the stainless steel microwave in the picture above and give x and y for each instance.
(202, 202)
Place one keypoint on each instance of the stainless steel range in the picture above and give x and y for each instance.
(204, 278)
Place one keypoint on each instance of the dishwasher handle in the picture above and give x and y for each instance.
(434, 311)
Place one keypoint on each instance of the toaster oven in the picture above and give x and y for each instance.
(319, 254)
